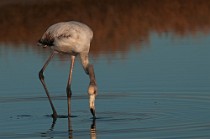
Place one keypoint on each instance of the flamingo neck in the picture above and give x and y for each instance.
(84, 61)
(91, 74)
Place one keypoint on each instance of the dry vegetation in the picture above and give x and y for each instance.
(116, 23)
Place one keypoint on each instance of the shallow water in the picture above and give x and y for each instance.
(159, 91)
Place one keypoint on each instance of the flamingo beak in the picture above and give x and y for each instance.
(92, 105)
(92, 91)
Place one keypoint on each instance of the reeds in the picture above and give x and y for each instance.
(116, 23)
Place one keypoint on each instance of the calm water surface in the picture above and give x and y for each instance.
(161, 90)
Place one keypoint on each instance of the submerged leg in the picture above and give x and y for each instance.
(68, 88)
(41, 77)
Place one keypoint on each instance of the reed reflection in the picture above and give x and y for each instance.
(116, 25)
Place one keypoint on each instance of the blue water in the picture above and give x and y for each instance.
(158, 90)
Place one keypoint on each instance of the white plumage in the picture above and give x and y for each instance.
(69, 36)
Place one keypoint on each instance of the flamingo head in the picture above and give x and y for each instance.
(92, 91)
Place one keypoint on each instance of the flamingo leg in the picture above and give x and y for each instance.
(68, 88)
(41, 77)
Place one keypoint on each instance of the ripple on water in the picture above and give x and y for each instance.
(134, 115)
(183, 114)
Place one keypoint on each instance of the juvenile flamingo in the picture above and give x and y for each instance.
(72, 38)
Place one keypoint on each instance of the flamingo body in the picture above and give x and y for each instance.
(73, 38)
(68, 37)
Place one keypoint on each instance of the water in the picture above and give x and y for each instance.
(151, 62)
(161, 90)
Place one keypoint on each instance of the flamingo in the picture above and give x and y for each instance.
(71, 38)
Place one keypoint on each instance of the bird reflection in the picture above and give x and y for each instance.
(93, 129)
(52, 125)
(49, 131)
(70, 130)
(49, 134)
